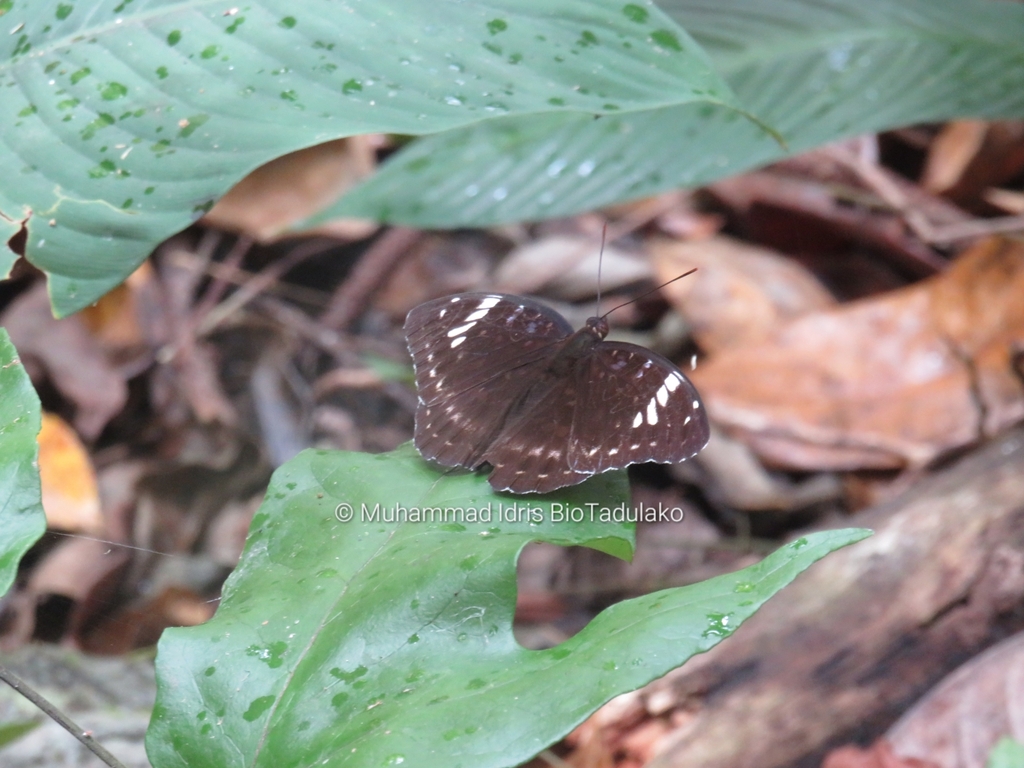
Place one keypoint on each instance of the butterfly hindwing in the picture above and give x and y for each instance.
(530, 455)
(635, 406)
(457, 430)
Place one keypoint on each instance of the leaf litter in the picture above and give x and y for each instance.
(812, 394)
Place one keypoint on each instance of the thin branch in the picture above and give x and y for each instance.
(63, 720)
(370, 272)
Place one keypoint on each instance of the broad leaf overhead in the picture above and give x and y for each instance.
(815, 70)
(377, 643)
(123, 120)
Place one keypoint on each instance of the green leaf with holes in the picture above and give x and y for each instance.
(365, 641)
(123, 121)
(815, 70)
(22, 521)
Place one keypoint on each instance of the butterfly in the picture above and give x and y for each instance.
(505, 381)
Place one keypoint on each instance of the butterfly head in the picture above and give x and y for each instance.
(598, 326)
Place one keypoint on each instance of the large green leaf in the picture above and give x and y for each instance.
(375, 643)
(123, 120)
(22, 521)
(815, 70)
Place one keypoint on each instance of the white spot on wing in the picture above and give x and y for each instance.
(443, 313)
(638, 420)
(456, 342)
(696, 404)
(612, 451)
(652, 413)
(672, 382)
(460, 330)
(489, 302)
(662, 394)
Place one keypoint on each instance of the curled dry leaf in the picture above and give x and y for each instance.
(957, 724)
(293, 187)
(739, 293)
(567, 267)
(733, 477)
(884, 382)
(70, 496)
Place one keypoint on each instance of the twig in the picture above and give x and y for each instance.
(967, 230)
(219, 286)
(367, 276)
(940, 234)
(60, 718)
(263, 280)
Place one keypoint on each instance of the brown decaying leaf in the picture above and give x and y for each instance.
(959, 721)
(293, 187)
(71, 358)
(884, 382)
(70, 496)
(739, 293)
(141, 625)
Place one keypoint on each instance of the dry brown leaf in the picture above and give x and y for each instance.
(72, 359)
(567, 268)
(141, 625)
(879, 755)
(71, 500)
(884, 382)
(739, 293)
(961, 719)
(293, 187)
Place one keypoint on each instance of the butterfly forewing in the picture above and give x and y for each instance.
(634, 406)
(460, 342)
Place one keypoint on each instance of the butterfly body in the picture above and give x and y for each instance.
(504, 380)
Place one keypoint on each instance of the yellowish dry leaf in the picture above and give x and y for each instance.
(114, 320)
(70, 496)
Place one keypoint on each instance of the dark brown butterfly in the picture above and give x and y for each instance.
(505, 381)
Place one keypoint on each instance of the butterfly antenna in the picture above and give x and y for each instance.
(600, 261)
(648, 293)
